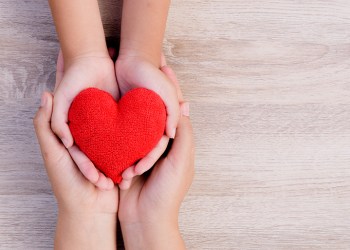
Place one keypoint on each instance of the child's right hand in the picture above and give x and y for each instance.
(79, 74)
(134, 71)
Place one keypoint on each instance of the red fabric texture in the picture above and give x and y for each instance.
(116, 135)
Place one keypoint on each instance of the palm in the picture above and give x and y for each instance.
(78, 190)
(89, 72)
(161, 191)
(142, 196)
(136, 74)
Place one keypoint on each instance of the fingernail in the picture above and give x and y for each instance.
(43, 100)
(185, 109)
(172, 134)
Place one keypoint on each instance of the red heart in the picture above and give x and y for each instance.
(116, 135)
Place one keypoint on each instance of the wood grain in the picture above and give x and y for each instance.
(268, 83)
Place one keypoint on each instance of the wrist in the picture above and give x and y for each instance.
(154, 235)
(92, 56)
(132, 51)
(85, 230)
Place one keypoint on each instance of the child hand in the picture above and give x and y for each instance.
(135, 72)
(86, 214)
(148, 210)
(81, 74)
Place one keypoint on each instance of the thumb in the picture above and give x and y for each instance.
(175, 172)
(46, 137)
(182, 150)
(168, 93)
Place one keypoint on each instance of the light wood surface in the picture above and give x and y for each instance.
(269, 86)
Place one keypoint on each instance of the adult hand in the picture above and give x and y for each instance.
(86, 214)
(148, 210)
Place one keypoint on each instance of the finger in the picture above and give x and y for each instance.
(46, 137)
(125, 184)
(185, 109)
(169, 96)
(104, 183)
(59, 119)
(177, 168)
(170, 74)
(84, 164)
(172, 77)
(129, 173)
(149, 160)
(59, 69)
(182, 149)
(88, 169)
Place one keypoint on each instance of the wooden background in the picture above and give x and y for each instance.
(269, 86)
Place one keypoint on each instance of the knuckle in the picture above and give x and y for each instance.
(86, 166)
(37, 119)
(149, 160)
(56, 128)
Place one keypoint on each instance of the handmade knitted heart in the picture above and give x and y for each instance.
(116, 135)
